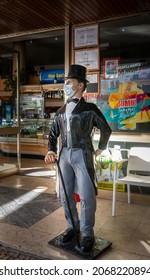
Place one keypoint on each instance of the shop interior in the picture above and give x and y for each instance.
(126, 39)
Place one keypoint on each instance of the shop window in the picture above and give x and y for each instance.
(125, 73)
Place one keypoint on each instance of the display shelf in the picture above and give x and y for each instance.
(41, 87)
(9, 130)
(34, 135)
(5, 94)
(32, 105)
(35, 128)
(54, 102)
(30, 146)
(30, 128)
(49, 95)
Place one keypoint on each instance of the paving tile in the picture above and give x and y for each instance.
(24, 208)
(140, 243)
(52, 224)
(113, 254)
(119, 240)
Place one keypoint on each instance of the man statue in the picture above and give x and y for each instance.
(74, 123)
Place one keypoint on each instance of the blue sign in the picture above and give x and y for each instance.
(52, 76)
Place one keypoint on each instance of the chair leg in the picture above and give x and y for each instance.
(128, 191)
(114, 200)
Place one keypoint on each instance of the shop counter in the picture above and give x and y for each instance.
(29, 146)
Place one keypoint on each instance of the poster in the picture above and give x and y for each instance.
(86, 36)
(111, 68)
(127, 109)
(87, 58)
(125, 105)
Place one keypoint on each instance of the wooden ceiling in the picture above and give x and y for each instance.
(21, 17)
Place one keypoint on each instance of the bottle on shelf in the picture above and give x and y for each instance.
(46, 94)
(8, 111)
(55, 79)
(61, 94)
(52, 94)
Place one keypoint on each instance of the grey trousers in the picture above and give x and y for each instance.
(77, 180)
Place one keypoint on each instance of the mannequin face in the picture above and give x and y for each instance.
(76, 86)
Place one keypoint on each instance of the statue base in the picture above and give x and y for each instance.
(71, 247)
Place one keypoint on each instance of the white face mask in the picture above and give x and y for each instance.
(68, 90)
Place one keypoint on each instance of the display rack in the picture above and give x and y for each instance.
(52, 94)
(38, 103)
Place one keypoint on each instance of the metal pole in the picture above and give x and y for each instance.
(18, 109)
(68, 204)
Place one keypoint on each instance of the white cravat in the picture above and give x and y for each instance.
(69, 108)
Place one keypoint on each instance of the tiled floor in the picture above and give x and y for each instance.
(128, 231)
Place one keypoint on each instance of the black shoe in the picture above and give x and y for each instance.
(67, 236)
(87, 244)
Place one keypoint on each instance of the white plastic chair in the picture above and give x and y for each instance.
(138, 172)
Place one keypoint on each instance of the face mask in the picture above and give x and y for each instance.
(68, 90)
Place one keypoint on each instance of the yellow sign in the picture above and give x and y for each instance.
(109, 186)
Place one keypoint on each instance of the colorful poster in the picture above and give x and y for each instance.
(126, 107)
(127, 114)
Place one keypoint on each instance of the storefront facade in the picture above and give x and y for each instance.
(116, 55)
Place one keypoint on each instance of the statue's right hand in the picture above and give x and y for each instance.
(50, 157)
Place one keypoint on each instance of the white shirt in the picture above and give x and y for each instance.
(69, 108)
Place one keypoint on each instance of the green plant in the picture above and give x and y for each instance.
(10, 84)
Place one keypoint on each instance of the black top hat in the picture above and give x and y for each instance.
(77, 72)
